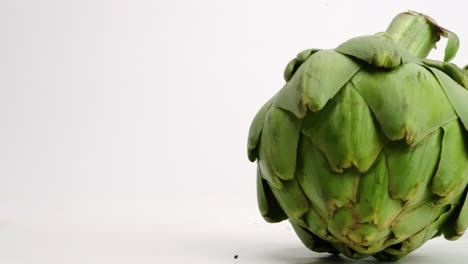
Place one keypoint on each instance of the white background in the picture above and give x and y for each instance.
(123, 124)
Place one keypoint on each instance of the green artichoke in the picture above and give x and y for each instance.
(365, 148)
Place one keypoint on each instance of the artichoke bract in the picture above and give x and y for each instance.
(365, 148)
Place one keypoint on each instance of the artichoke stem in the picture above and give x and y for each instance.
(415, 32)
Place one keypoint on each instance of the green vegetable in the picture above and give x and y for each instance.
(365, 148)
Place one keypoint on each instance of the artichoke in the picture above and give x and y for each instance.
(365, 148)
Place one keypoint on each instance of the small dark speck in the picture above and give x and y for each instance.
(236, 256)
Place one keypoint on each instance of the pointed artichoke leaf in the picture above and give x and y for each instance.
(451, 175)
(450, 69)
(315, 82)
(342, 222)
(434, 229)
(294, 64)
(256, 130)
(462, 221)
(411, 222)
(453, 43)
(375, 50)
(327, 72)
(291, 96)
(315, 223)
(407, 101)
(280, 138)
(267, 173)
(345, 131)
(430, 231)
(312, 241)
(366, 235)
(410, 169)
(457, 95)
(267, 203)
(373, 198)
(292, 200)
(327, 189)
